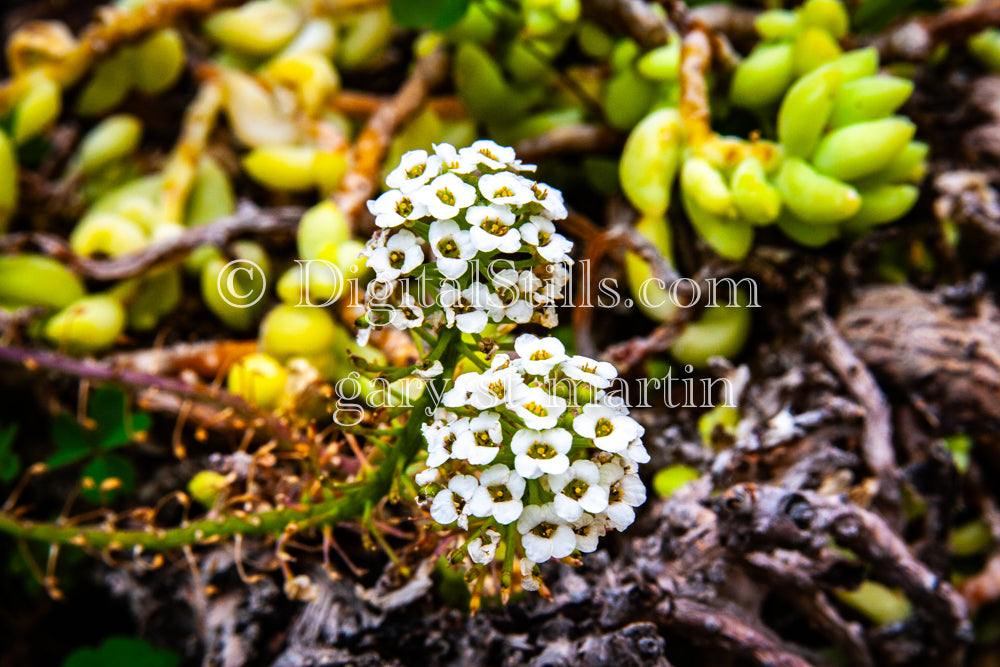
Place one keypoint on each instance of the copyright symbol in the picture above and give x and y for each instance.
(239, 281)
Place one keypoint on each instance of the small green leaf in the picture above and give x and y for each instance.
(73, 442)
(116, 425)
(107, 467)
(435, 14)
(122, 651)
(10, 461)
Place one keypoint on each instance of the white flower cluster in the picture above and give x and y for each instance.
(465, 238)
(539, 443)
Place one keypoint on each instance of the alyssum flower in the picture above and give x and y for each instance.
(554, 471)
(452, 222)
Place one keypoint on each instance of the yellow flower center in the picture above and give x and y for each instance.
(576, 489)
(544, 529)
(603, 427)
(448, 248)
(446, 196)
(536, 409)
(416, 170)
(495, 227)
(616, 493)
(497, 389)
(500, 493)
(539, 192)
(484, 439)
(542, 450)
(504, 191)
(404, 207)
(540, 355)
(396, 258)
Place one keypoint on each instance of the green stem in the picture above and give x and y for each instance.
(348, 507)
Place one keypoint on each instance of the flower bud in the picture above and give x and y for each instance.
(862, 149)
(87, 325)
(761, 79)
(37, 280)
(813, 197)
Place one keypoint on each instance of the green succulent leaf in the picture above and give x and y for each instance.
(436, 14)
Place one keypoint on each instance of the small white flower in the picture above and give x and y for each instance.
(588, 530)
(505, 189)
(544, 535)
(529, 580)
(541, 233)
(430, 372)
(427, 476)
(489, 154)
(467, 308)
(458, 396)
(441, 439)
(393, 208)
(446, 196)
(452, 246)
(483, 550)
(578, 490)
(401, 254)
(415, 168)
(480, 444)
(497, 385)
(551, 201)
(449, 504)
(595, 373)
(541, 452)
(513, 301)
(536, 407)
(539, 355)
(492, 228)
(635, 454)
(625, 492)
(499, 494)
(452, 160)
(609, 429)
(408, 313)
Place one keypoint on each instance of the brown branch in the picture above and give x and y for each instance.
(102, 372)
(571, 139)
(247, 220)
(360, 104)
(917, 39)
(365, 156)
(737, 23)
(696, 60)
(709, 625)
(823, 337)
(635, 18)
(208, 359)
(761, 517)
